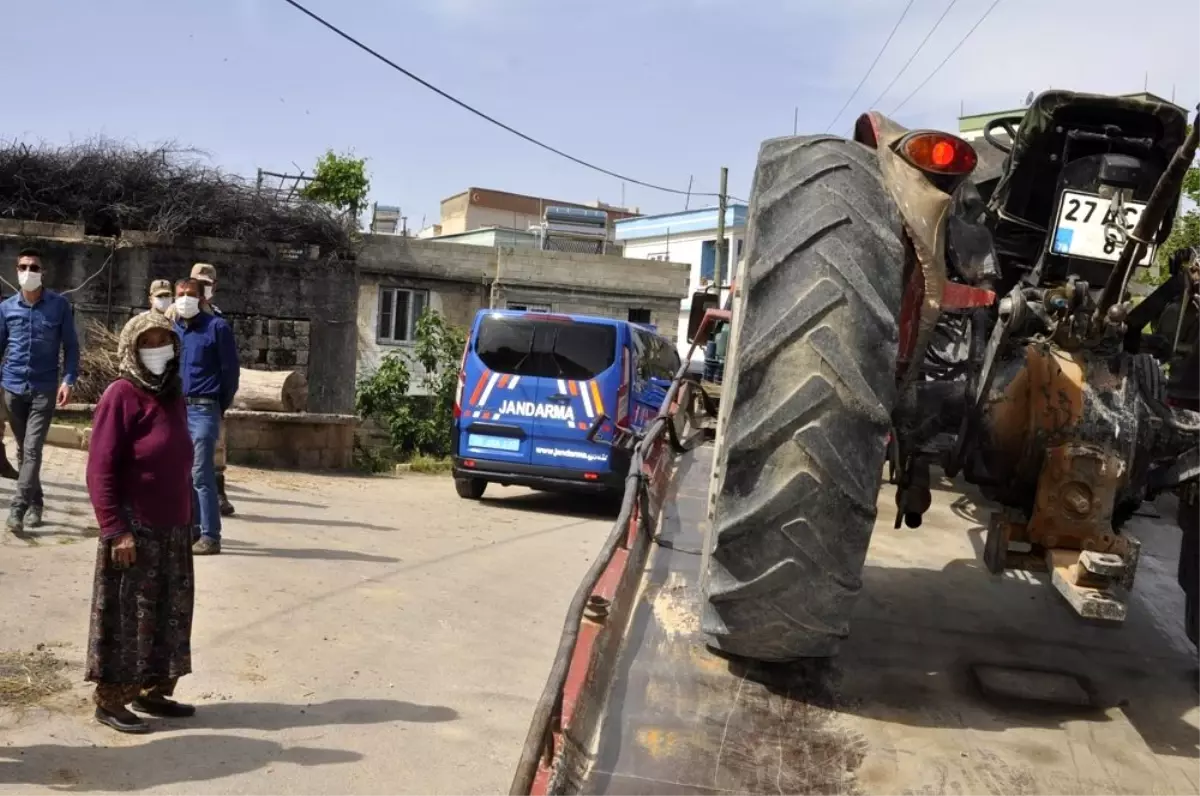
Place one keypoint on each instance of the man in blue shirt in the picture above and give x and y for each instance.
(210, 370)
(35, 326)
(206, 274)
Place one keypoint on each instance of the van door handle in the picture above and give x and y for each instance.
(560, 398)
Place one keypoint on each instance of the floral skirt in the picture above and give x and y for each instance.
(141, 624)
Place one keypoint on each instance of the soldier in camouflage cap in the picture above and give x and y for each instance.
(162, 296)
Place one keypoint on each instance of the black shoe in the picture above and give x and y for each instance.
(163, 708)
(7, 470)
(16, 521)
(33, 517)
(226, 506)
(122, 721)
(206, 546)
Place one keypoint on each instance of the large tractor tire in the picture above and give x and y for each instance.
(810, 386)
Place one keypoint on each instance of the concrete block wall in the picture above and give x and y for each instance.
(289, 441)
(592, 272)
(110, 278)
(415, 258)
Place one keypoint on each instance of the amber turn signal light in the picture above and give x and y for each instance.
(938, 153)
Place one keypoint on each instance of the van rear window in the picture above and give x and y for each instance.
(546, 348)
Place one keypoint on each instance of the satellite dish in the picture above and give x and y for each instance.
(1028, 99)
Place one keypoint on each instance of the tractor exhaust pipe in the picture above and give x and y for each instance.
(1156, 210)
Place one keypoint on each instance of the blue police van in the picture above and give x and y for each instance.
(541, 397)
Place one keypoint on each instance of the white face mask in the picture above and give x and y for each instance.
(156, 360)
(208, 291)
(29, 280)
(187, 306)
(162, 303)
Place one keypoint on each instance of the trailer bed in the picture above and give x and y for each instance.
(953, 680)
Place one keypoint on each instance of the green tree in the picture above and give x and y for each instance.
(416, 424)
(1185, 232)
(339, 181)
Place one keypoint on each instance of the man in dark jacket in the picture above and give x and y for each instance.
(210, 372)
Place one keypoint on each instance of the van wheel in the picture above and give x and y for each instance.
(470, 488)
(808, 397)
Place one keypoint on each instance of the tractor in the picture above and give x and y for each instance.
(912, 300)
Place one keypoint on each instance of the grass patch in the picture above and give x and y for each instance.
(26, 678)
(430, 465)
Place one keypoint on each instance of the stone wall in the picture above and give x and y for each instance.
(315, 294)
(290, 441)
(272, 343)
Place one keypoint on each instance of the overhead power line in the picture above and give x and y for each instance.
(913, 57)
(949, 55)
(870, 68)
(486, 117)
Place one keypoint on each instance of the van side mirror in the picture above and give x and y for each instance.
(702, 302)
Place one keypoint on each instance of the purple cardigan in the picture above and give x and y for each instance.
(140, 458)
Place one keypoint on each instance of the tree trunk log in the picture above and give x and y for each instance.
(272, 391)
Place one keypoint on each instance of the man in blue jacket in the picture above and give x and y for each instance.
(210, 370)
(35, 326)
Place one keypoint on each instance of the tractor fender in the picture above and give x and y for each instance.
(924, 209)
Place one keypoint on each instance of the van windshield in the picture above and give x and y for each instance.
(546, 348)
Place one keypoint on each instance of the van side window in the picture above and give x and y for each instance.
(657, 358)
(643, 347)
(671, 359)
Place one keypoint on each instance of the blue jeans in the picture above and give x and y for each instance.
(204, 424)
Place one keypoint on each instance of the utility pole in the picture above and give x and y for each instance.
(721, 202)
(796, 120)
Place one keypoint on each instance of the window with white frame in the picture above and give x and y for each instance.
(399, 309)
(520, 307)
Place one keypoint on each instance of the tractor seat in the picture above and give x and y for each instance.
(1023, 201)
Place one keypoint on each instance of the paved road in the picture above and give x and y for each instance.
(357, 636)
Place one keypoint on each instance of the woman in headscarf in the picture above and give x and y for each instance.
(139, 480)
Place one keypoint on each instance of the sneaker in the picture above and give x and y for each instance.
(207, 546)
(33, 517)
(122, 720)
(16, 520)
(163, 707)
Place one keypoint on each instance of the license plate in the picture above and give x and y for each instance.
(493, 443)
(1079, 231)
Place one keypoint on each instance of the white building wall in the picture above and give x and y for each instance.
(687, 248)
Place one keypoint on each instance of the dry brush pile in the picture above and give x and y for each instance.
(99, 365)
(109, 187)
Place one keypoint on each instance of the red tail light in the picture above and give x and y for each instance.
(623, 391)
(462, 382)
(938, 153)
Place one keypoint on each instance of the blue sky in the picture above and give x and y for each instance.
(658, 89)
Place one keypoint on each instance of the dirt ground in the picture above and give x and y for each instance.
(356, 636)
